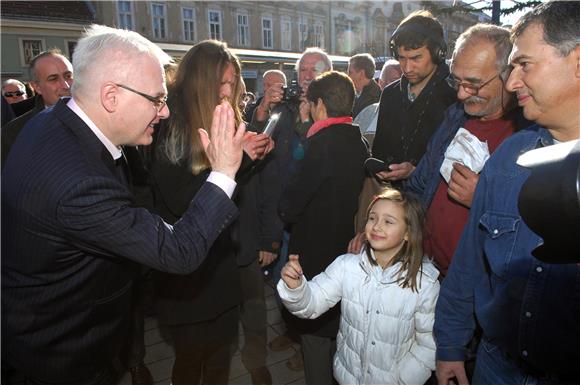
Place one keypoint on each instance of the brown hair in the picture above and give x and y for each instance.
(411, 254)
(336, 91)
(193, 95)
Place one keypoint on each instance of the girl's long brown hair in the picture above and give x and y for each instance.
(193, 95)
(411, 254)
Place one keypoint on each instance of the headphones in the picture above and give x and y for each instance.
(438, 53)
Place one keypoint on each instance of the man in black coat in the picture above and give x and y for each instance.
(52, 78)
(412, 108)
(361, 70)
(70, 226)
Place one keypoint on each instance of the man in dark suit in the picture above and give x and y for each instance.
(71, 231)
(52, 77)
(361, 70)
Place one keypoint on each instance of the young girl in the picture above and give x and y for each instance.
(388, 294)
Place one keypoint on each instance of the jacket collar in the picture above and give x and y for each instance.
(91, 145)
(441, 73)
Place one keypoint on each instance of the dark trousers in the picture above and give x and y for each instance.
(10, 376)
(318, 358)
(253, 316)
(203, 350)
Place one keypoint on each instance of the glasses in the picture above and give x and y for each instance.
(158, 103)
(13, 94)
(470, 88)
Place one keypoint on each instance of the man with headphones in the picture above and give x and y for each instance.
(411, 108)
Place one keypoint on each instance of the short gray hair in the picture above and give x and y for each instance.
(498, 36)
(13, 82)
(388, 64)
(106, 50)
(317, 51)
(277, 72)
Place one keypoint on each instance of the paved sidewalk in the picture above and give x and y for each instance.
(159, 357)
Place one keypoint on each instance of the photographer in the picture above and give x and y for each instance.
(289, 135)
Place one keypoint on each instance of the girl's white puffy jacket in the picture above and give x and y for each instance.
(385, 334)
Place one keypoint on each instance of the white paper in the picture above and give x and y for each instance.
(467, 149)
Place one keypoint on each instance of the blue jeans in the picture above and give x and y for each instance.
(493, 367)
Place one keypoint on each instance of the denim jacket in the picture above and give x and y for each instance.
(527, 308)
(424, 180)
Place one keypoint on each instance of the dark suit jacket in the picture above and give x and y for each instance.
(11, 130)
(320, 202)
(370, 94)
(185, 299)
(404, 128)
(69, 232)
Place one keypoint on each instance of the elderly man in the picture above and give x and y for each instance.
(269, 78)
(71, 232)
(14, 91)
(528, 309)
(486, 110)
(390, 72)
(361, 70)
(52, 78)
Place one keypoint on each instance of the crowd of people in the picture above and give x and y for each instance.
(386, 212)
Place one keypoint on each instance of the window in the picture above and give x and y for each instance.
(286, 34)
(243, 30)
(125, 11)
(319, 36)
(30, 48)
(215, 24)
(70, 48)
(302, 36)
(267, 33)
(158, 20)
(188, 17)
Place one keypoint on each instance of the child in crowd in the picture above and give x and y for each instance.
(388, 294)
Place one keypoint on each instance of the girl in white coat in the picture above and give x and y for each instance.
(388, 294)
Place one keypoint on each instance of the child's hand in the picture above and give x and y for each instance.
(292, 272)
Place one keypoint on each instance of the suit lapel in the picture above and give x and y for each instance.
(91, 145)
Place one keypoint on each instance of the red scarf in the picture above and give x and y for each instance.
(327, 122)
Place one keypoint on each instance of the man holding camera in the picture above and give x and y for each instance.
(294, 120)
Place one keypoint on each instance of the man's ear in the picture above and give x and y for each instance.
(35, 87)
(110, 97)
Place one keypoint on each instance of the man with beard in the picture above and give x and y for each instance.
(412, 108)
(486, 110)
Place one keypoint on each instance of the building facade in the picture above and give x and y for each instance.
(264, 34)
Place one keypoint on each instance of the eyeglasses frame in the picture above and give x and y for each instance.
(158, 102)
(470, 88)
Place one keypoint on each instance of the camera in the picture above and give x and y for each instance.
(293, 91)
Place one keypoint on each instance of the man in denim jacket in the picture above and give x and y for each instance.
(486, 110)
(529, 310)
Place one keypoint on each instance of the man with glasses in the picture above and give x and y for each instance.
(487, 111)
(72, 234)
(527, 306)
(14, 91)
